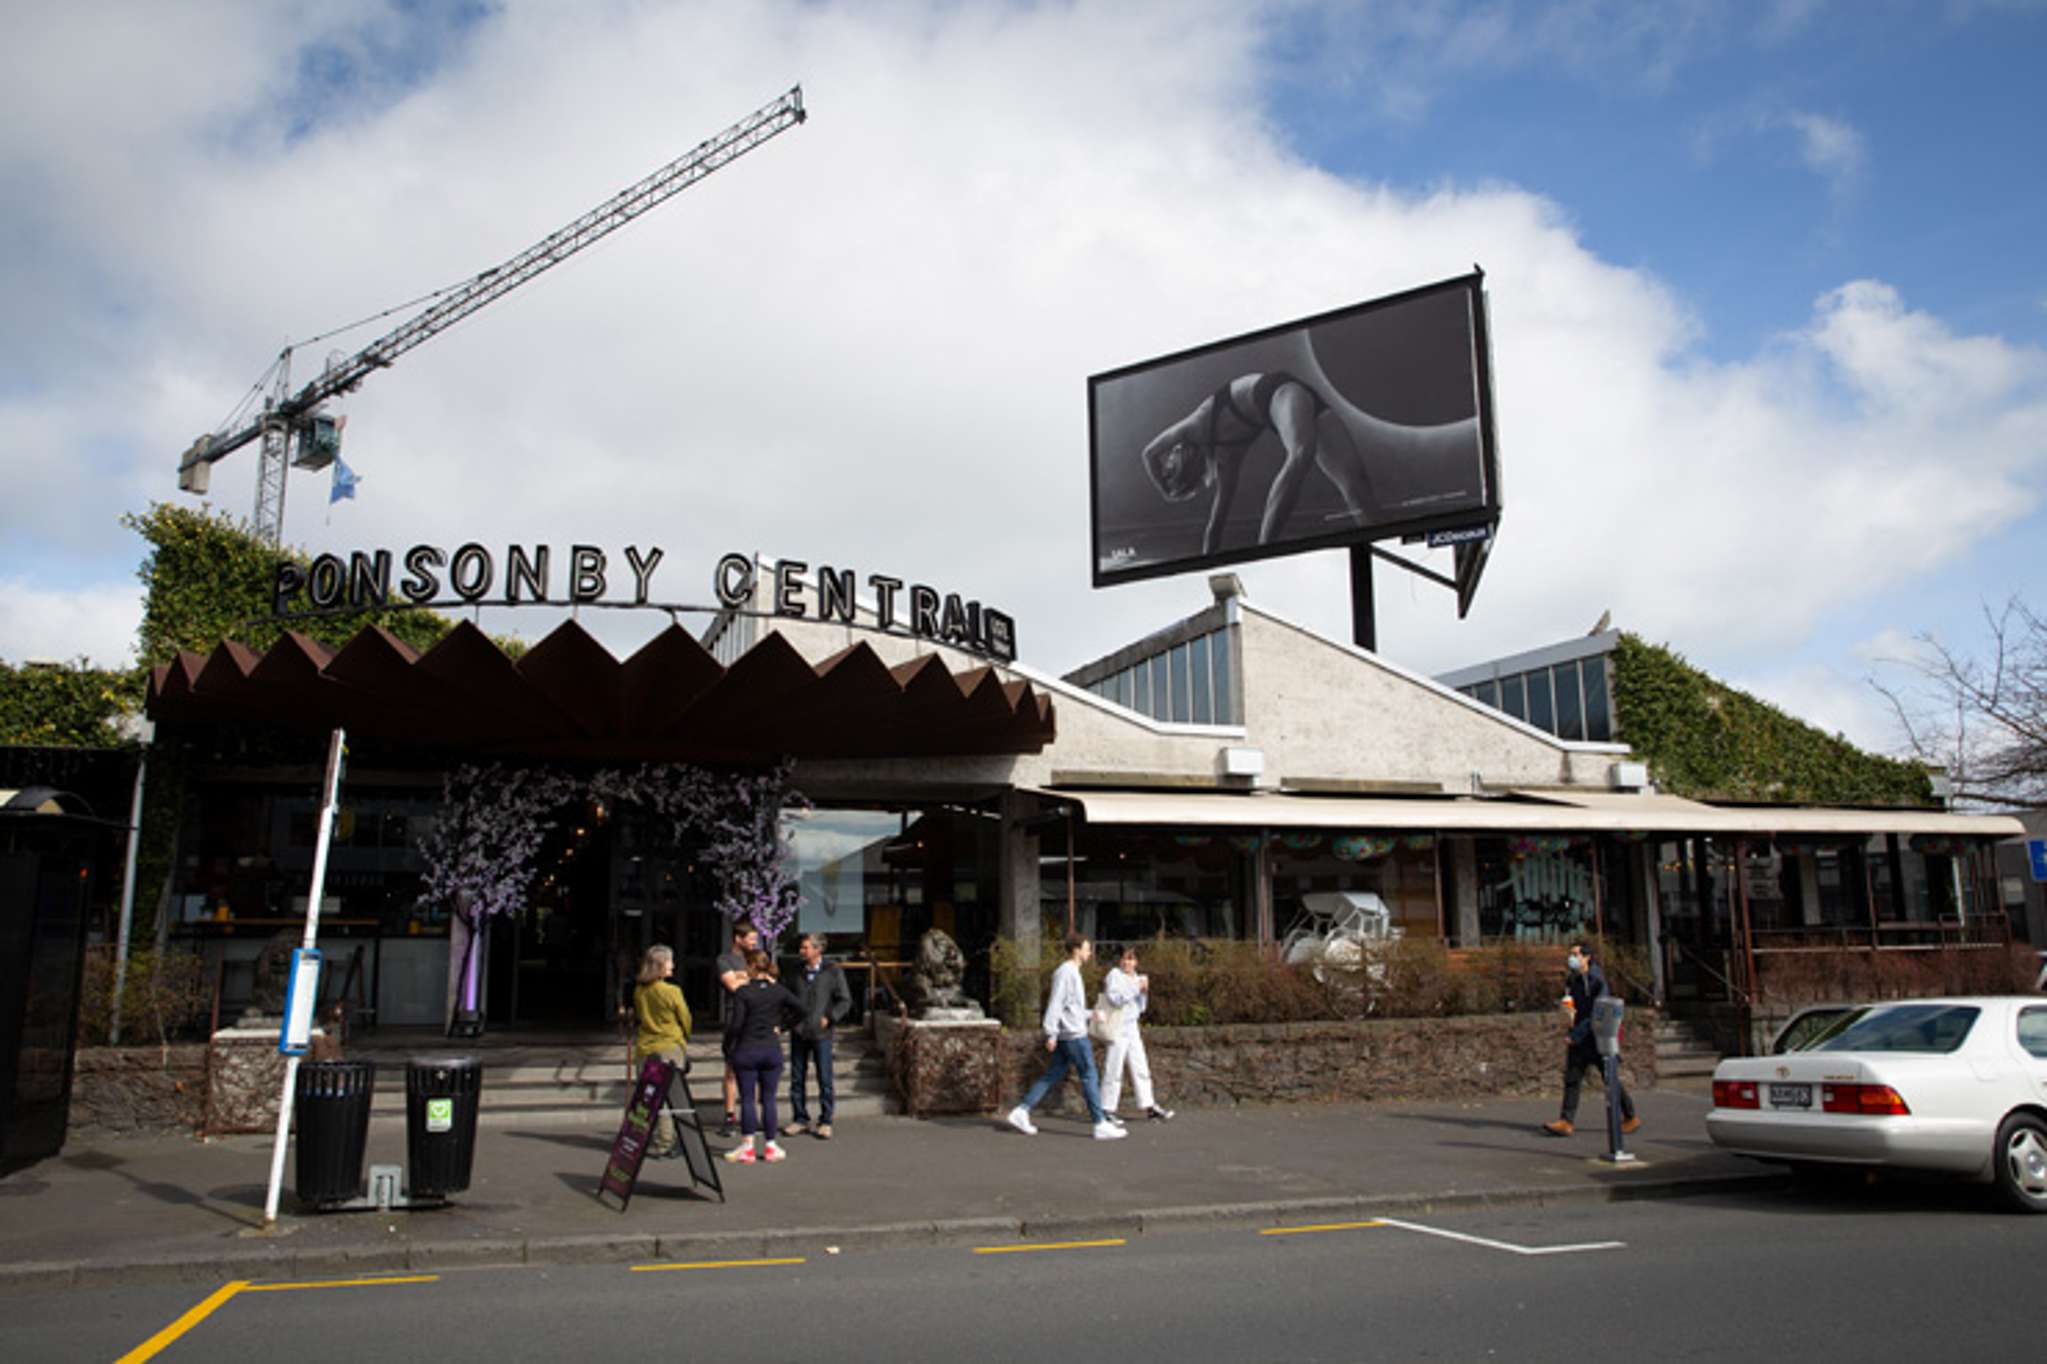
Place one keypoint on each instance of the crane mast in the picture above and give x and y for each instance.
(292, 419)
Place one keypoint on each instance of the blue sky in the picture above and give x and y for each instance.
(1770, 311)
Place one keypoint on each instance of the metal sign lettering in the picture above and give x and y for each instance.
(534, 575)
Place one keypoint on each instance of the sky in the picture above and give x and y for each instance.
(1769, 311)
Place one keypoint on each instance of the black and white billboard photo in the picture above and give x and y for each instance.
(1367, 423)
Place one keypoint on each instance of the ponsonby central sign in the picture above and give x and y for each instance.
(429, 576)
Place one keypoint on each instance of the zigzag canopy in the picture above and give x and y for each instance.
(567, 698)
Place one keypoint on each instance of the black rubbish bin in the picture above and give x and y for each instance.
(441, 1094)
(331, 1107)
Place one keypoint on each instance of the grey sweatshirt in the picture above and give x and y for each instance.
(1066, 1010)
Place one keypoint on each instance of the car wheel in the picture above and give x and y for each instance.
(2022, 1162)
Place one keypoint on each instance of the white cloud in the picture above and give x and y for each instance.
(867, 342)
(1830, 148)
(42, 624)
(1831, 701)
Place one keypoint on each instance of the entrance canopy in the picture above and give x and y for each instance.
(1527, 812)
(568, 699)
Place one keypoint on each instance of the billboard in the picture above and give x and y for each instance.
(1372, 422)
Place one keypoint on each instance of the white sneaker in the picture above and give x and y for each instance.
(1111, 1117)
(1020, 1119)
(1108, 1131)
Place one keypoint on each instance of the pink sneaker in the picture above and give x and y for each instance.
(774, 1153)
(741, 1155)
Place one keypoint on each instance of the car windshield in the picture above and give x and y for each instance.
(1935, 1028)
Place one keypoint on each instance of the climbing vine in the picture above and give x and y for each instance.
(1705, 739)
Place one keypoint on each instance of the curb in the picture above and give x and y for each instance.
(276, 1262)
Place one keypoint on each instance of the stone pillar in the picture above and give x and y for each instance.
(1463, 915)
(1020, 916)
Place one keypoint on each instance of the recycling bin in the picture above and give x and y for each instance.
(331, 1109)
(441, 1096)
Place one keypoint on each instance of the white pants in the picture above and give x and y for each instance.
(1128, 1047)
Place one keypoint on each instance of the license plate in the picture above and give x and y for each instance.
(1791, 1096)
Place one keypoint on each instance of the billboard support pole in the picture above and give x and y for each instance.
(1364, 623)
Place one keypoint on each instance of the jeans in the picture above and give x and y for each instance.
(1576, 1061)
(1077, 1054)
(759, 1067)
(803, 1051)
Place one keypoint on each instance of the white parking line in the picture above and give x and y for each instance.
(1501, 1245)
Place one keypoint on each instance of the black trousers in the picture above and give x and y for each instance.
(1577, 1060)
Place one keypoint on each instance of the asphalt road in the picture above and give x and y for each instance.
(1890, 1272)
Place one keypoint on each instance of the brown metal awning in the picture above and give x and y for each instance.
(567, 699)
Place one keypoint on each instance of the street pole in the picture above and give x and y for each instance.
(330, 792)
(128, 885)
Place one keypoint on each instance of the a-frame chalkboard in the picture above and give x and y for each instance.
(660, 1094)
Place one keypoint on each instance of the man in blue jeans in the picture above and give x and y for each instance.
(1066, 1039)
(826, 1001)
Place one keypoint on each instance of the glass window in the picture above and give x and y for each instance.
(1183, 690)
(1140, 689)
(1598, 715)
(1161, 690)
(1512, 700)
(1204, 700)
(1934, 1028)
(1541, 713)
(1225, 714)
(1487, 693)
(1570, 712)
(2033, 1031)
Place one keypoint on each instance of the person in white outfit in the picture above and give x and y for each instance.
(1066, 1039)
(1129, 992)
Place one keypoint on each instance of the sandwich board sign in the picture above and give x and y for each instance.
(653, 1101)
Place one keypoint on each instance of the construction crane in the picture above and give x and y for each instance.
(294, 429)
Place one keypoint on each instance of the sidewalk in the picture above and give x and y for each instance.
(180, 1209)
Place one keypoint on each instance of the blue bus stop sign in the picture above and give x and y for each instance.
(2036, 848)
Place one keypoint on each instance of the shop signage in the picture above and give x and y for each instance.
(427, 575)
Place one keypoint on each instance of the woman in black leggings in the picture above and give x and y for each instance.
(753, 1020)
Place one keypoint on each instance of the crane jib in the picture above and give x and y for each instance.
(486, 287)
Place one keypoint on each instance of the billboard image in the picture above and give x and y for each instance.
(1368, 423)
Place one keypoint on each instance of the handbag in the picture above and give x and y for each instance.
(1105, 1021)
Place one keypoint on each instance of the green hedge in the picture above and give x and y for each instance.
(1704, 739)
(67, 706)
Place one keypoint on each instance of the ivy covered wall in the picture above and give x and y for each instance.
(1704, 739)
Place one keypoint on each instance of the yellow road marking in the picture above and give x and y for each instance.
(149, 1349)
(1325, 1226)
(1046, 1245)
(719, 1264)
(341, 1283)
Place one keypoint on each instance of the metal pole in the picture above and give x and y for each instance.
(1364, 620)
(336, 747)
(128, 886)
(1069, 869)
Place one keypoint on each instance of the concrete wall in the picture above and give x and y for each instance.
(1322, 712)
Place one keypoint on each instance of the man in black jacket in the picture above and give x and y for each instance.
(827, 999)
(1584, 985)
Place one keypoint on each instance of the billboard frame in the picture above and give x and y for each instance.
(1470, 559)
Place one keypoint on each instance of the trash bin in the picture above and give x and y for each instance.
(331, 1107)
(441, 1094)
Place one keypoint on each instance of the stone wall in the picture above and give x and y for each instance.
(138, 1090)
(1480, 1057)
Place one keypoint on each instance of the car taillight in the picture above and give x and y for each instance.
(1874, 1099)
(1735, 1094)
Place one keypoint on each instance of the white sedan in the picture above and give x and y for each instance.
(1951, 1085)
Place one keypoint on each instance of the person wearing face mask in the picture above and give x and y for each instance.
(1584, 984)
